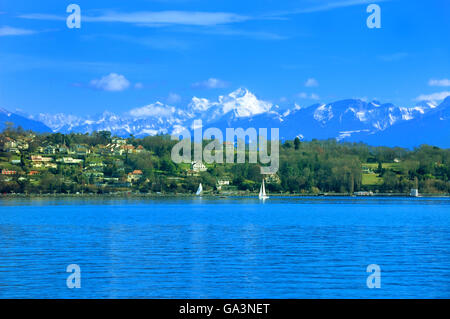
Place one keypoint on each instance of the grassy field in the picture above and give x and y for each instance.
(374, 166)
(371, 179)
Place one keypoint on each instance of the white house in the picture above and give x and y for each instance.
(223, 182)
(70, 160)
(414, 192)
(198, 167)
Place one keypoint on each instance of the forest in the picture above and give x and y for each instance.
(306, 167)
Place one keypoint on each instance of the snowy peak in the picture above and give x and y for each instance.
(374, 103)
(238, 104)
(199, 104)
(243, 103)
(240, 93)
(323, 113)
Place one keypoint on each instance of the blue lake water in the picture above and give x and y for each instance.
(225, 248)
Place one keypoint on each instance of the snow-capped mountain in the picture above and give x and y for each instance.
(431, 127)
(238, 104)
(345, 120)
(158, 118)
(58, 122)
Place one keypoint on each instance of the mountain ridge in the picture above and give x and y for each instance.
(19, 120)
(352, 120)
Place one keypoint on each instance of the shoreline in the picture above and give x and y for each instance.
(237, 195)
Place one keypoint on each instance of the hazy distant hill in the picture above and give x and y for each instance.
(18, 120)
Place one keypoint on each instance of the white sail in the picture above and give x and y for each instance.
(199, 190)
(262, 191)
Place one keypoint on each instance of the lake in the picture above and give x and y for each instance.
(310, 247)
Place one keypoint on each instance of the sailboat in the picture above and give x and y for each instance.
(199, 190)
(262, 191)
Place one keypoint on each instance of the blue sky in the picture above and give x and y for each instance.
(132, 53)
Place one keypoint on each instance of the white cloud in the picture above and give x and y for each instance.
(393, 57)
(10, 31)
(153, 110)
(173, 98)
(438, 96)
(314, 96)
(211, 83)
(227, 31)
(311, 96)
(442, 82)
(112, 82)
(138, 86)
(156, 18)
(336, 4)
(311, 82)
(322, 6)
(155, 42)
(43, 16)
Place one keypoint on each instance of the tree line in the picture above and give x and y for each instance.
(309, 167)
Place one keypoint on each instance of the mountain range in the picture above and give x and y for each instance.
(351, 120)
(9, 118)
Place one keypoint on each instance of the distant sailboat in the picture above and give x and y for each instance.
(199, 190)
(262, 191)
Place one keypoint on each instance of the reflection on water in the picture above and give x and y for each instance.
(225, 248)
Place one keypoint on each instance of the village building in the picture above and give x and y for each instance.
(139, 149)
(70, 160)
(97, 165)
(128, 149)
(49, 150)
(119, 141)
(80, 150)
(221, 183)
(198, 167)
(40, 159)
(363, 193)
(134, 176)
(8, 172)
(8, 143)
(414, 192)
(22, 145)
(95, 176)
